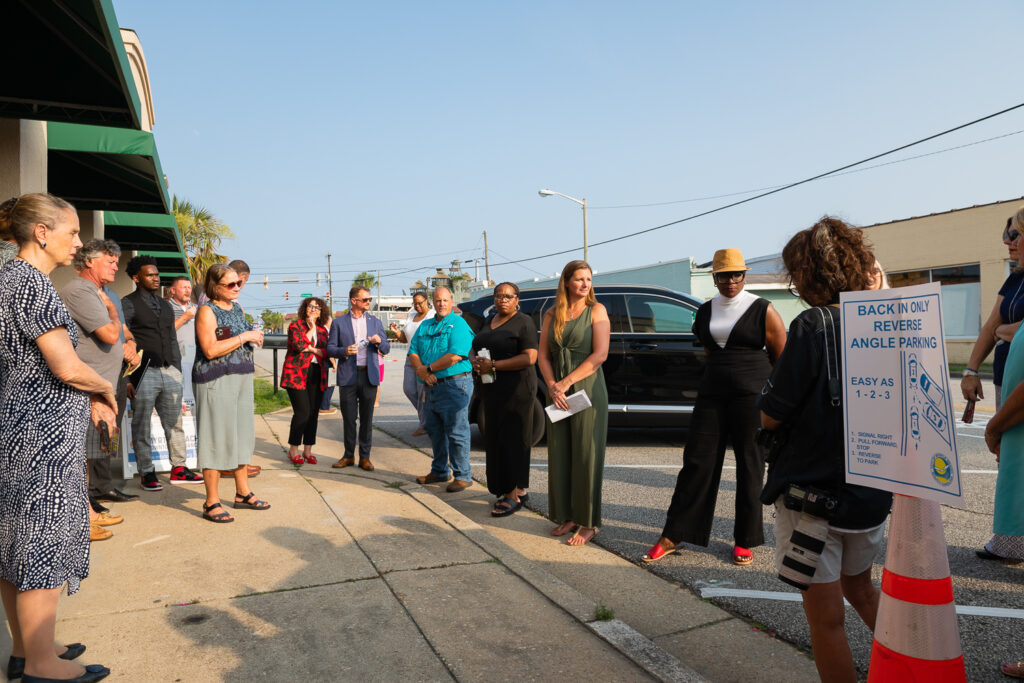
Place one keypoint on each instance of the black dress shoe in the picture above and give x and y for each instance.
(16, 665)
(116, 496)
(74, 651)
(986, 555)
(96, 506)
(93, 672)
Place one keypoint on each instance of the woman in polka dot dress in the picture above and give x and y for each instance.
(46, 397)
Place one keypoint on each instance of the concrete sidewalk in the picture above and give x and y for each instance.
(369, 576)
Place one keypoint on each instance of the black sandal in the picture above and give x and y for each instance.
(222, 517)
(509, 507)
(251, 502)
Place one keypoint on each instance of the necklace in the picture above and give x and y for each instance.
(571, 314)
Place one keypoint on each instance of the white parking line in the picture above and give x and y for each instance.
(971, 610)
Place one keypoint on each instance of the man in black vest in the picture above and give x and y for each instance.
(151, 321)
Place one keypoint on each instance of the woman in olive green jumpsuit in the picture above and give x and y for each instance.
(573, 345)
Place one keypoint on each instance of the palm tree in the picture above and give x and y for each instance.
(364, 279)
(201, 235)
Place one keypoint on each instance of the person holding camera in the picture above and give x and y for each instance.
(742, 335)
(827, 532)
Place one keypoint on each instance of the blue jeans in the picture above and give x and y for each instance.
(446, 412)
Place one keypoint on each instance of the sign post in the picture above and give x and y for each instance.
(898, 411)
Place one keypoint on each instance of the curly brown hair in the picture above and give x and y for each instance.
(325, 315)
(829, 257)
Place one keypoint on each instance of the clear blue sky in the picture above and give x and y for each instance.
(402, 130)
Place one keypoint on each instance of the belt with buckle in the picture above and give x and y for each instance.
(445, 379)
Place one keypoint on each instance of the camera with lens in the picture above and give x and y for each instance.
(800, 560)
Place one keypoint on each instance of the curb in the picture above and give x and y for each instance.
(625, 639)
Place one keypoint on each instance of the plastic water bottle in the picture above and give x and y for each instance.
(257, 325)
(489, 377)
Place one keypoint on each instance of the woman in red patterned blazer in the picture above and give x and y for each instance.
(305, 376)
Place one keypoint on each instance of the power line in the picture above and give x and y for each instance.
(768, 191)
(834, 175)
(772, 191)
(359, 263)
(532, 270)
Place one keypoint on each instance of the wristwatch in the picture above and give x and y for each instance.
(430, 370)
(968, 372)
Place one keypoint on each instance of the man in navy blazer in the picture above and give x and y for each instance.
(355, 340)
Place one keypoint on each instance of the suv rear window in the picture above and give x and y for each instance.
(651, 313)
(535, 309)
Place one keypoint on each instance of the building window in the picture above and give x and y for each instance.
(961, 295)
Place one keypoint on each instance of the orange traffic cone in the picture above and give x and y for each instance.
(916, 633)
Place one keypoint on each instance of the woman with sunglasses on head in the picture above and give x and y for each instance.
(743, 335)
(304, 376)
(222, 379)
(508, 382)
(412, 387)
(1002, 323)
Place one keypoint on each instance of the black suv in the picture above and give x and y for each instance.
(655, 361)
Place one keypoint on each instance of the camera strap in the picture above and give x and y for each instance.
(835, 385)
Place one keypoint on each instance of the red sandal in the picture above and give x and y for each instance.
(311, 459)
(657, 552)
(296, 459)
(742, 555)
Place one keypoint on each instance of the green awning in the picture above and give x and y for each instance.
(149, 232)
(170, 264)
(154, 234)
(65, 61)
(105, 169)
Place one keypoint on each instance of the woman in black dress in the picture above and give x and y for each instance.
(735, 329)
(508, 383)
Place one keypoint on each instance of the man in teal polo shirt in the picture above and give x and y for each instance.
(439, 353)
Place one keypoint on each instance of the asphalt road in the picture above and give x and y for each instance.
(640, 472)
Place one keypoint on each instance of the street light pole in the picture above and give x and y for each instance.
(585, 257)
(581, 202)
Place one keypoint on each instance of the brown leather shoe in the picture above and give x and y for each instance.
(344, 462)
(107, 519)
(431, 479)
(98, 533)
(458, 485)
(365, 464)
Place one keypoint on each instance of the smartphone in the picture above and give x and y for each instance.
(223, 332)
(968, 417)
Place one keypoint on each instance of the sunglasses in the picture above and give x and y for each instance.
(313, 306)
(736, 276)
(232, 285)
(1011, 235)
(365, 299)
(504, 297)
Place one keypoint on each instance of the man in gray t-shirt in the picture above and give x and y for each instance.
(100, 346)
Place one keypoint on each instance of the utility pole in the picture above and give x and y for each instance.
(378, 291)
(330, 283)
(487, 263)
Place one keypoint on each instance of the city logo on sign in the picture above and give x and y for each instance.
(942, 471)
